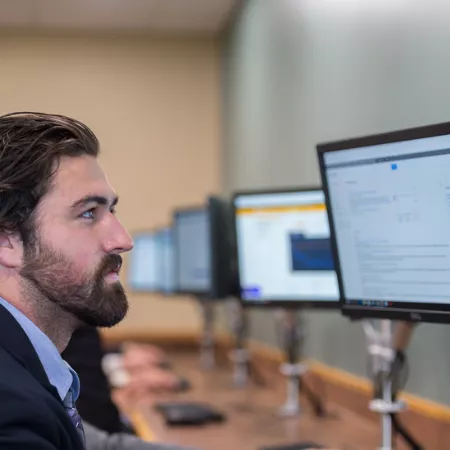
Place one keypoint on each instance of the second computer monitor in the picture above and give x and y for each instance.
(284, 250)
(165, 280)
(202, 249)
(192, 251)
(143, 265)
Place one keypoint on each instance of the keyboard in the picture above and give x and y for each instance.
(297, 446)
(186, 413)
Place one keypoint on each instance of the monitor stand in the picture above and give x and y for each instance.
(293, 339)
(207, 344)
(385, 373)
(240, 355)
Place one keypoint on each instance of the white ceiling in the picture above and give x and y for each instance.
(156, 16)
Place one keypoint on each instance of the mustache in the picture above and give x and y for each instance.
(111, 263)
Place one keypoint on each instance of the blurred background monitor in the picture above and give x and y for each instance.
(165, 281)
(143, 264)
(202, 249)
(284, 250)
(389, 203)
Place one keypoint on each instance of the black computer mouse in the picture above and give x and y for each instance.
(183, 384)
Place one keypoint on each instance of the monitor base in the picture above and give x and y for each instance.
(385, 375)
(207, 344)
(293, 339)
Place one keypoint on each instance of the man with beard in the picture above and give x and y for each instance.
(60, 246)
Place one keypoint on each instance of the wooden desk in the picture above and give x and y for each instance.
(252, 421)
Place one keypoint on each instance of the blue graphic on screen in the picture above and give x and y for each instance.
(251, 292)
(310, 253)
(192, 251)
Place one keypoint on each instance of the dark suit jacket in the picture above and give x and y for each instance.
(32, 416)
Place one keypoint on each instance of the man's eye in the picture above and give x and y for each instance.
(89, 214)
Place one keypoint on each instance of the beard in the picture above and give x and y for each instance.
(89, 298)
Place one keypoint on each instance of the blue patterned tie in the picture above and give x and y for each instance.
(74, 416)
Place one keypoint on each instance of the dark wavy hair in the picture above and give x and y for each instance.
(31, 146)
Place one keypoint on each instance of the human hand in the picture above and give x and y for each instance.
(151, 380)
(139, 356)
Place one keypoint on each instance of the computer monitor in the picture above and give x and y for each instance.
(388, 198)
(143, 264)
(283, 249)
(165, 282)
(202, 250)
(192, 251)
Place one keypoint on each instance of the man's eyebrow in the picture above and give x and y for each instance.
(97, 199)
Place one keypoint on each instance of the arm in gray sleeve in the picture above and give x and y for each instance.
(99, 440)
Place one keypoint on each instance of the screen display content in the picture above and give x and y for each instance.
(284, 249)
(143, 272)
(165, 256)
(192, 251)
(389, 205)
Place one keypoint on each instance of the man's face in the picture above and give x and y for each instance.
(74, 259)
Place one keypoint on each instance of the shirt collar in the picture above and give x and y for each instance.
(59, 373)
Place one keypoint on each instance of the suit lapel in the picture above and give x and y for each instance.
(15, 341)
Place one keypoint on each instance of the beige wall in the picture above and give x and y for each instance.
(155, 107)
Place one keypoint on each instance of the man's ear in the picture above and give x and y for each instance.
(11, 250)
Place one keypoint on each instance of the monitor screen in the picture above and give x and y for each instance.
(165, 256)
(142, 271)
(283, 247)
(192, 251)
(389, 206)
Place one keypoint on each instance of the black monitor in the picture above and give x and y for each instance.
(388, 198)
(165, 280)
(143, 264)
(202, 250)
(283, 249)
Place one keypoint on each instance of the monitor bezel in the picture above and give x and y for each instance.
(135, 233)
(201, 294)
(421, 313)
(274, 303)
(221, 242)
